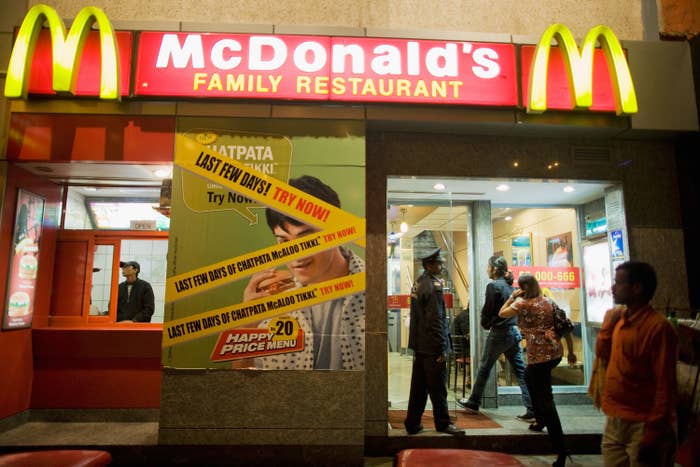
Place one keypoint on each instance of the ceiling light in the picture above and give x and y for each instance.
(508, 218)
(516, 164)
(163, 173)
(404, 226)
(569, 189)
(439, 186)
(503, 187)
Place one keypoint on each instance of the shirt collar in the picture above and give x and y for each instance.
(637, 315)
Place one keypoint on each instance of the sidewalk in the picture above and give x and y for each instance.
(138, 440)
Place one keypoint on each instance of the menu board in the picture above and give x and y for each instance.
(24, 261)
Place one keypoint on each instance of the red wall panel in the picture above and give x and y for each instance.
(16, 345)
(73, 137)
(97, 367)
(69, 278)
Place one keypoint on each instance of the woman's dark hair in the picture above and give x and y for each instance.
(307, 184)
(500, 266)
(529, 285)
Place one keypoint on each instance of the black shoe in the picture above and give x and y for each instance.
(536, 427)
(528, 416)
(469, 405)
(453, 430)
(413, 431)
(561, 460)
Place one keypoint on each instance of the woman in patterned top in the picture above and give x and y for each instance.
(544, 352)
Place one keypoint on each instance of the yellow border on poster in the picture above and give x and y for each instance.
(215, 321)
(269, 191)
(224, 272)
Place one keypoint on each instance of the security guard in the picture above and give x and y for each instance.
(429, 339)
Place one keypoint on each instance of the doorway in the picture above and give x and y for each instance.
(414, 230)
(540, 227)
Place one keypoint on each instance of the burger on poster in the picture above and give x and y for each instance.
(19, 304)
(281, 281)
(28, 266)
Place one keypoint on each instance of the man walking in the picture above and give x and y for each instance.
(639, 398)
(429, 339)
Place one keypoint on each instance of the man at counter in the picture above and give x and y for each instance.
(136, 302)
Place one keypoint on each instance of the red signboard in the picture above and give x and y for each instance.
(558, 88)
(88, 83)
(325, 68)
(243, 343)
(404, 301)
(556, 278)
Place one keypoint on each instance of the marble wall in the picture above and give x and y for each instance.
(520, 17)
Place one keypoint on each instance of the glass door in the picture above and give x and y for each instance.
(415, 228)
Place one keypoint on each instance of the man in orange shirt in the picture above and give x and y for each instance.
(641, 350)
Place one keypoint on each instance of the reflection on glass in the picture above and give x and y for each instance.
(119, 215)
(101, 280)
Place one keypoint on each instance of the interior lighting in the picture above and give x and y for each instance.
(162, 173)
(503, 187)
(508, 218)
(439, 186)
(404, 226)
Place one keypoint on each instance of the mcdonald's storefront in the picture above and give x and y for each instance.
(372, 149)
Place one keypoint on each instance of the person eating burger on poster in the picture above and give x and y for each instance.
(334, 331)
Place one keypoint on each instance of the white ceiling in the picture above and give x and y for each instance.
(419, 190)
(98, 179)
(415, 200)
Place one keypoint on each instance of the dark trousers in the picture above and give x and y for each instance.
(539, 381)
(428, 377)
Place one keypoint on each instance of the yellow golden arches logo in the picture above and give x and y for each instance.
(579, 67)
(65, 49)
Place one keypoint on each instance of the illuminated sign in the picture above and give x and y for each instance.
(65, 48)
(355, 69)
(318, 68)
(556, 278)
(579, 66)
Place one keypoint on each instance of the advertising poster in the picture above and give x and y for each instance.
(266, 251)
(521, 250)
(24, 261)
(553, 278)
(617, 245)
(559, 252)
(597, 280)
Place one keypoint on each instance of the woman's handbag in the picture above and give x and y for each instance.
(562, 324)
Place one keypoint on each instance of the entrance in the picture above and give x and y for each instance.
(414, 231)
(540, 228)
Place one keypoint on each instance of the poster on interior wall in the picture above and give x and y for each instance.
(559, 251)
(24, 261)
(266, 254)
(521, 250)
(597, 280)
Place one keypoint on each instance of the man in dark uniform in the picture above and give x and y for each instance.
(429, 339)
(136, 301)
